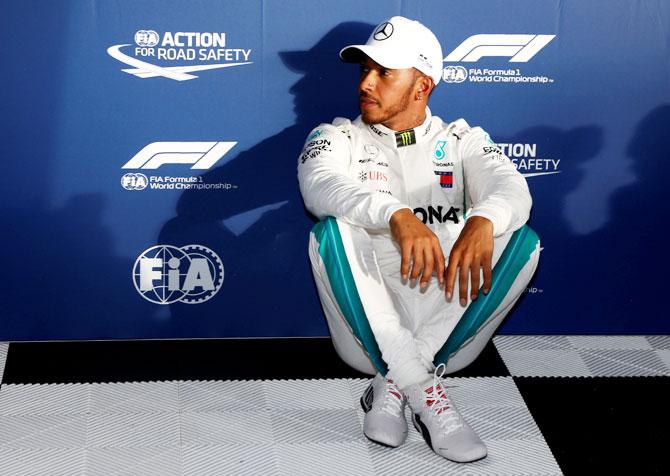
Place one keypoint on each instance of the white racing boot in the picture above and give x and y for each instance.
(441, 425)
(384, 406)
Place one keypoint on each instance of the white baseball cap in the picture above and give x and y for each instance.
(399, 43)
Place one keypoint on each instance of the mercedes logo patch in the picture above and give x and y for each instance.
(384, 31)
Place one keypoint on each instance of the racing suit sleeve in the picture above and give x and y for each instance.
(328, 189)
(496, 189)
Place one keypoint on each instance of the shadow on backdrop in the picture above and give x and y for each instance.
(261, 231)
(628, 257)
(548, 218)
(611, 280)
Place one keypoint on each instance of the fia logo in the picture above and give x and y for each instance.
(454, 74)
(166, 274)
(134, 181)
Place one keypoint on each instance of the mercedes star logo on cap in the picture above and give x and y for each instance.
(384, 31)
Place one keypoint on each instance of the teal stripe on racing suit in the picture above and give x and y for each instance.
(344, 288)
(515, 256)
(331, 249)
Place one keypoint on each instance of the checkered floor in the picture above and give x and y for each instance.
(255, 407)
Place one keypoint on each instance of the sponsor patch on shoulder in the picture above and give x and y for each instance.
(314, 148)
(494, 152)
(314, 135)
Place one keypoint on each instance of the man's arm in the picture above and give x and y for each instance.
(327, 188)
(501, 204)
(497, 190)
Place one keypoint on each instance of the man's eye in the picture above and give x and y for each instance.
(385, 72)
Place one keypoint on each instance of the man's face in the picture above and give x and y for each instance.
(384, 94)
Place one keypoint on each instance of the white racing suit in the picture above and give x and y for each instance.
(353, 177)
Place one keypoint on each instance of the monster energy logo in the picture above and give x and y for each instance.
(404, 138)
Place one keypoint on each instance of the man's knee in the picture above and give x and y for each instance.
(512, 273)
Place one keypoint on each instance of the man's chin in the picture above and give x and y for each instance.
(368, 118)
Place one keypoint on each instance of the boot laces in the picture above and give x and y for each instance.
(393, 399)
(439, 402)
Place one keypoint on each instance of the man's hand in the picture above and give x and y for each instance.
(472, 251)
(418, 243)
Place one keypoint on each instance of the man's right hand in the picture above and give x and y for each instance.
(419, 245)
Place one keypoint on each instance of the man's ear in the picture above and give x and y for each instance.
(424, 87)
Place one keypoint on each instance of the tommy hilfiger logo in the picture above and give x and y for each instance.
(404, 138)
(446, 178)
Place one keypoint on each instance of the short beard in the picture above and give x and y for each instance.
(380, 117)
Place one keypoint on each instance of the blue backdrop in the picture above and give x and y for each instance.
(94, 223)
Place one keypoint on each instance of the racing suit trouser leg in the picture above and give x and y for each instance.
(374, 318)
(361, 314)
(456, 335)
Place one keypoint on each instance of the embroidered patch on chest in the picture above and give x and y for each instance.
(405, 138)
(446, 178)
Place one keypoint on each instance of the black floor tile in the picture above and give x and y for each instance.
(603, 425)
(488, 364)
(222, 359)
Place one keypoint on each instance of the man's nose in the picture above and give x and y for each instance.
(367, 81)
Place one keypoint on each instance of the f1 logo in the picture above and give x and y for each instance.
(520, 48)
(201, 155)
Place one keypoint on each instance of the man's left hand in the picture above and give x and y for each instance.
(472, 252)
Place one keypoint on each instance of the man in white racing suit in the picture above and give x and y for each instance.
(397, 191)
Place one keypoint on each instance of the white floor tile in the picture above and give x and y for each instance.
(623, 362)
(246, 427)
(44, 399)
(43, 431)
(609, 342)
(659, 342)
(664, 355)
(41, 462)
(324, 459)
(492, 391)
(315, 426)
(213, 396)
(536, 342)
(502, 423)
(308, 394)
(133, 430)
(134, 397)
(133, 462)
(545, 363)
(242, 460)
(584, 356)
(233, 427)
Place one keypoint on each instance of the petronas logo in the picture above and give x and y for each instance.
(404, 138)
